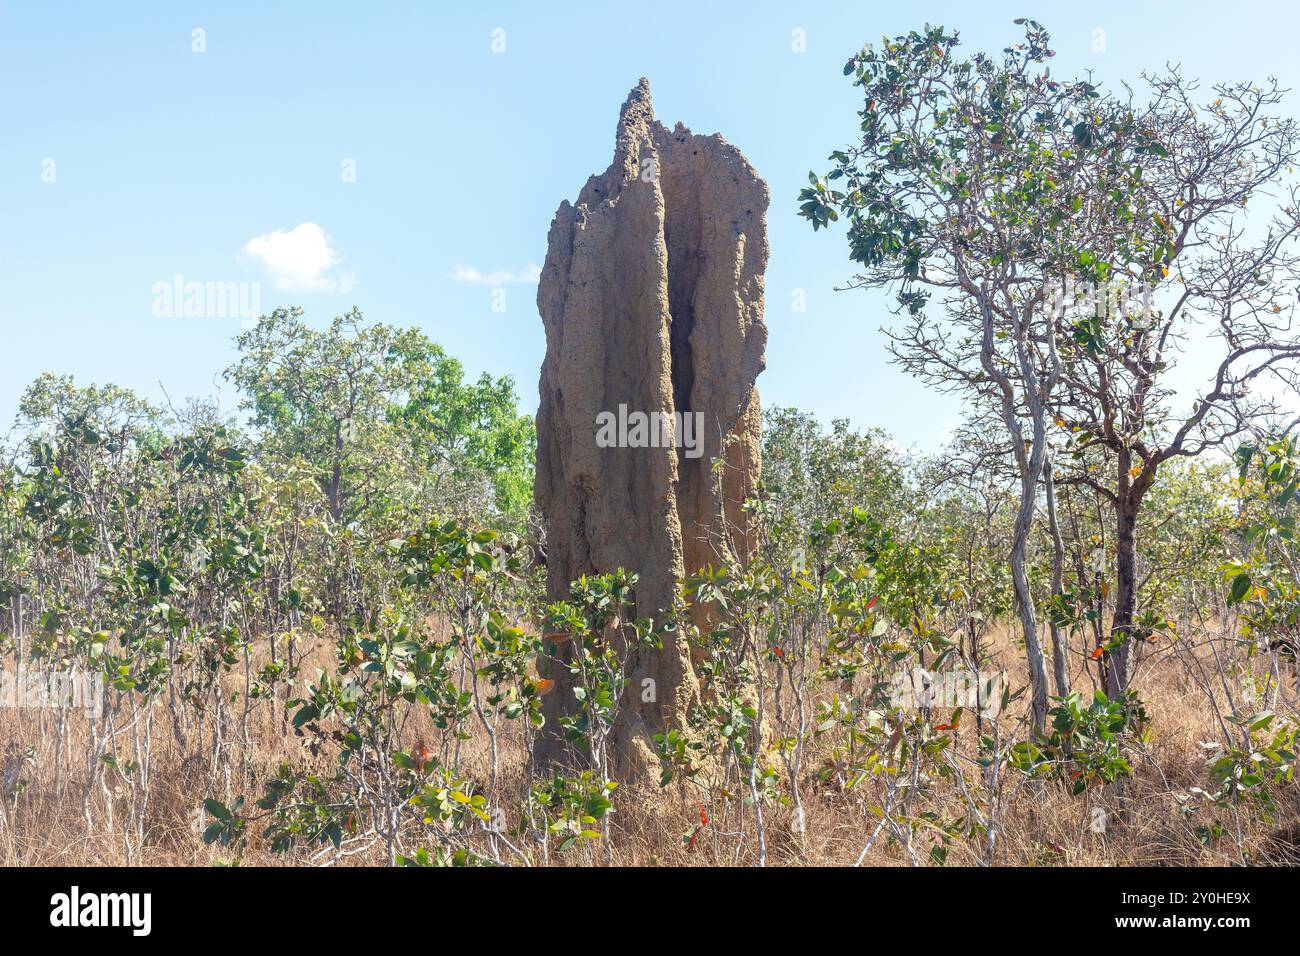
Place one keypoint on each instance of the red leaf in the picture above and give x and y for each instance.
(1097, 653)
(704, 817)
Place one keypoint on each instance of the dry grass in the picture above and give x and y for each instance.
(50, 818)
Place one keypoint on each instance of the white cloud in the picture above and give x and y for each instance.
(528, 275)
(299, 260)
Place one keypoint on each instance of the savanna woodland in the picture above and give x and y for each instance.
(318, 633)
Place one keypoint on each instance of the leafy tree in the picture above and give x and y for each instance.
(1266, 583)
(815, 474)
(325, 396)
(109, 412)
(473, 433)
(1203, 273)
(1005, 190)
(384, 416)
(980, 179)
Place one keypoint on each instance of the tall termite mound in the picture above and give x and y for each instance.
(652, 298)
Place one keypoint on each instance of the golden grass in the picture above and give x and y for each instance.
(44, 818)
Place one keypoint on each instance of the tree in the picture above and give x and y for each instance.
(1041, 209)
(384, 416)
(980, 180)
(1203, 274)
(1266, 583)
(811, 474)
(472, 432)
(325, 396)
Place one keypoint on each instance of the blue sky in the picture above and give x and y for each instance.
(168, 161)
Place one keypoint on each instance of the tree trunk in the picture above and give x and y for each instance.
(334, 486)
(1058, 577)
(1114, 668)
(1025, 598)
